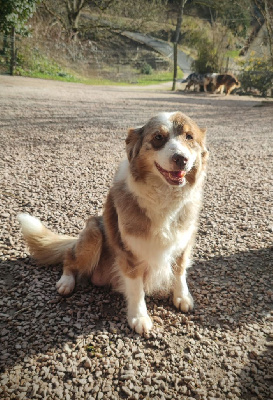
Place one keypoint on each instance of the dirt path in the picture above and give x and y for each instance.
(60, 145)
(183, 60)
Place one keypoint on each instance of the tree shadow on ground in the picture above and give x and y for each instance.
(204, 99)
(232, 295)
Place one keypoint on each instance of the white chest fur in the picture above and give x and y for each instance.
(158, 255)
(158, 251)
(173, 215)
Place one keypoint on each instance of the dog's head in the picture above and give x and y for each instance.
(231, 80)
(237, 83)
(169, 146)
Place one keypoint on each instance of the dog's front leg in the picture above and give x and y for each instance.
(182, 298)
(137, 314)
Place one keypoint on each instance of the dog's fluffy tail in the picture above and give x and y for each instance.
(45, 246)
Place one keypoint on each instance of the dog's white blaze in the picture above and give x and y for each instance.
(173, 146)
(164, 118)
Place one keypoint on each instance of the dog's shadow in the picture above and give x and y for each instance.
(230, 293)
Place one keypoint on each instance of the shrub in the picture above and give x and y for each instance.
(211, 45)
(207, 59)
(256, 73)
(32, 62)
(146, 69)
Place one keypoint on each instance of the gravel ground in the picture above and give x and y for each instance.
(60, 145)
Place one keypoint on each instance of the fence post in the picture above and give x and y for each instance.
(174, 65)
(12, 51)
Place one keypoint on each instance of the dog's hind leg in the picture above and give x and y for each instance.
(83, 257)
(182, 298)
(222, 89)
(66, 283)
(206, 83)
(229, 89)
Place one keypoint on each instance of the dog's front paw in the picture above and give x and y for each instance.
(142, 325)
(66, 284)
(183, 303)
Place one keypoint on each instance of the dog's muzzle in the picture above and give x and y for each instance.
(172, 177)
(180, 161)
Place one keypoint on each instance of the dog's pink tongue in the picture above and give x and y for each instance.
(177, 174)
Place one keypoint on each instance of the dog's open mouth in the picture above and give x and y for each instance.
(172, 177)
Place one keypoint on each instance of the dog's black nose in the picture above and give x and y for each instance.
(179, 160)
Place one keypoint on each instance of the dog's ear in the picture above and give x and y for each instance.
(203, 131)
(134, 142)
(203, 136)
(205, 153)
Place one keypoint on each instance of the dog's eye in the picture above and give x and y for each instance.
(189, 137)
(159, 137)
(159, 140)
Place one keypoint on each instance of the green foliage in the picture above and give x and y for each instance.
(207, 59)
(235, 15)
(257, 73)
(34, 63)
(15, 14)
(211, 45)
(146, 69)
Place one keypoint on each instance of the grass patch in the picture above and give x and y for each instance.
(233, 53)
(157, 77)
(68, 78)
(140, 79)
(33, 63)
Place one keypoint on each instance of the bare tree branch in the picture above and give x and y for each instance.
(54, 14)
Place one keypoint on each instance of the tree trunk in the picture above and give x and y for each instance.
(12, 51)
(269, 28)
(176, 39)
(5, 44)
(174, 65)
(73, 19)
(266, 9)
(74, 9)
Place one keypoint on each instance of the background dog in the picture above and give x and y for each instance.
(225, 81)
(143, 241)
(194, 79)
(213, 81)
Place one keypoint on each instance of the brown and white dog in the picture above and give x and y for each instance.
(224, 81)
(143, 241)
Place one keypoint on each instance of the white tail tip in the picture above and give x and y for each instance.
(29, 224)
